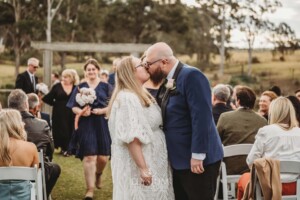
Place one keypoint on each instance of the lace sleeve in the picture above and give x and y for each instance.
(130, 120)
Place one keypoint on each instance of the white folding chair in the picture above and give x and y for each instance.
(41, 158)
(232, 150)
(285, 167)
(23, 173)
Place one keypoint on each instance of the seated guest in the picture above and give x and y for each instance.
(297, 94)
(276, 90)
(296, 103)
(15, 151)
(239, 127)
(220, 95)
(264, 103)
(42, 90)
(280, 140)
(38, 132)
(34, 104)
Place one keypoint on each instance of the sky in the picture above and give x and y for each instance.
(288, 13)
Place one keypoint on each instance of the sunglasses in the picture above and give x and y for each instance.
(35, 67)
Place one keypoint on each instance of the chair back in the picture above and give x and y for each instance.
(23, 173)
(232, 150)
(42, 164)
(285, 167)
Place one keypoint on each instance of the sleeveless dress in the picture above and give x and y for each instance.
(129, 120)
(92, 136)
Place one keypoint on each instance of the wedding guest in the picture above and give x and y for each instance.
(264, 103)
(279, 140)
(104, 76)
(220, 96)
(240, 127)
(27, 80)
(42, 90)
(297, 94)
(276, 89)
(38, 132)
(138, 144)
(15, 151)
(111, 79)
(92, 140)
(54, 78)
(296, 103)
(194, 147)
(62, 116)
(35, 108)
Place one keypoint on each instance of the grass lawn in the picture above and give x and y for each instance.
(71, 184)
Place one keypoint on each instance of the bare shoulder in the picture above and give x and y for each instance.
(27, 146)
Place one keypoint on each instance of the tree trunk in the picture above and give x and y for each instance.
(250, 61)
(17, 59)
(16, 37)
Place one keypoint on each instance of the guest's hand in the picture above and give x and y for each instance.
(98, 111)
(197, 166)
(146, 176)
(87, 111)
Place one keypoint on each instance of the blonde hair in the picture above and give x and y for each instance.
(125, 79)
(11, 125)
(270, 94)
(72, 73)
(282, 112)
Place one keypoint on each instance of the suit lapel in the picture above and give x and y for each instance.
(165, 93)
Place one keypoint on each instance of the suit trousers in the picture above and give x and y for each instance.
(191, 186)
(52, 172)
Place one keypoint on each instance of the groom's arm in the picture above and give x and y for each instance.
(198, 97)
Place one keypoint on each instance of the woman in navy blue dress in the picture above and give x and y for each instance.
(92, 139)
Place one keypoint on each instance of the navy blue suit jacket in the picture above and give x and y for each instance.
(188, 121)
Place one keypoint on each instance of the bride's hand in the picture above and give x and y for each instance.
(146, 176)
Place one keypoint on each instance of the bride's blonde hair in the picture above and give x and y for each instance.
(11, 125)
(125, 79)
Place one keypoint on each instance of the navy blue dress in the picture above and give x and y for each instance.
(92, 136)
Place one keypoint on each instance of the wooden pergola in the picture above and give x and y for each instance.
(48, 48)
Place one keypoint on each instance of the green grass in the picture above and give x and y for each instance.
(71, 184)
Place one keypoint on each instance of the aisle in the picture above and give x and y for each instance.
(71, 185)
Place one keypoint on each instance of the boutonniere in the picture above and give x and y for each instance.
(171, 84)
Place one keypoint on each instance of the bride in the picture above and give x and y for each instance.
(139, 162)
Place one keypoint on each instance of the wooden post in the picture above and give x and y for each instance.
(47, 65)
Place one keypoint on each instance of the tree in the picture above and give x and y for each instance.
(253, 23)
(135, 22)
(284, 39)
(28, 25)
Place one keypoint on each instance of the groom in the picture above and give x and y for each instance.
(194, 147)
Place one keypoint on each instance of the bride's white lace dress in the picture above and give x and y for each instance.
(129, 120)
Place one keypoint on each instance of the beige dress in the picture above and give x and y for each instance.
(129, 120)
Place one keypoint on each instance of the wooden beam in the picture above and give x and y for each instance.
(91, 47)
